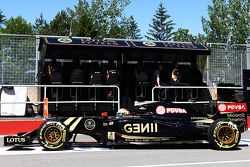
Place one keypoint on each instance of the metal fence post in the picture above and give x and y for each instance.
(248, 52)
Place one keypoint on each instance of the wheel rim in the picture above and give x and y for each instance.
(53, 135)
(226, 135)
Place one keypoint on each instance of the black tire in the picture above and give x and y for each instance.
(223, 134)
(53, 135)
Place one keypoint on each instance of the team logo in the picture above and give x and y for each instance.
(148, 43)
(65, 40)
(89, 124)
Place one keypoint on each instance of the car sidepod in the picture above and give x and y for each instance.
(158, 122)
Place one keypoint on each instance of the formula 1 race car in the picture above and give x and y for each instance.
(149, 123)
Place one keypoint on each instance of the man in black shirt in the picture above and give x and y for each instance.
(157, 81)
(156, 78)
(176, 78)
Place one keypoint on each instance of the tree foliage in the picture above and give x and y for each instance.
(228, 21)
(100, 19)
(108, 17)
(131, 28)
(2, 19)
(41, 26)
(201, 38)
(17, 25)
(182, 35)
(60, 25)
(162, 26)
(81, 20)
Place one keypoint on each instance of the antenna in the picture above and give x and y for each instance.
(67, 39)
(70, 29)
(227, 49)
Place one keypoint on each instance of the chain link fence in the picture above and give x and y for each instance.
(225, 64)
(19, 59)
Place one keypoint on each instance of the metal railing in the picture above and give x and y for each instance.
(43, 94)
(193, 90)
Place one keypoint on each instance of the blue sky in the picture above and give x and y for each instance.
(185, 13)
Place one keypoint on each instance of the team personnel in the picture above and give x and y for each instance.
(157, 81)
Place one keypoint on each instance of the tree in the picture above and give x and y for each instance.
(82, 22)
(182, 35)
(2, 19)
(97, 11)
(201, 38)
(131, 29)
(114, 13)
(60, 25)
(228, 21)
(162, 26)
(101, 19)
(41, 26)
(17, 25)
(108, 17)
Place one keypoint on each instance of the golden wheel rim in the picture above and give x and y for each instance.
(226, 135)
(53, 135)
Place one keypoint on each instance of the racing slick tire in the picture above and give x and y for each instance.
(223, 134)
(53, 135)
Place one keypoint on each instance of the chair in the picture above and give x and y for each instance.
(141, 90)
(142, 85)
(56, 94)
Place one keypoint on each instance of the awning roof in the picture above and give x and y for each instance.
(122, 45)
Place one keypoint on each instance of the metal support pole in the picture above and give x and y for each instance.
(248, 52)
(37, 59)
(208, 80)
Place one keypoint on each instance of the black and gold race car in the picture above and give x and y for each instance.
(149, 123)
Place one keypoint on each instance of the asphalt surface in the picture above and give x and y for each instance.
(197, 155)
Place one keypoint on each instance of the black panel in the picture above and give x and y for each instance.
(246, 87)
(86, 42)
(147, 44)
(109, 45)
(168, 45)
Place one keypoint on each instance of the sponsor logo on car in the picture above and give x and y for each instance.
(232, 107)
(89, 124)
(9, 140)
(141, 128)
(163, 110)
(236, 115)
(160, 110)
